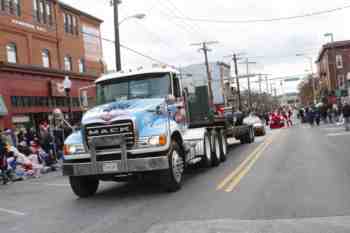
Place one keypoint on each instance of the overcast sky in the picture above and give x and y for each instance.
(168, 39)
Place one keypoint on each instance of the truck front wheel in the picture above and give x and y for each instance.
(84, 186)
(172, 178)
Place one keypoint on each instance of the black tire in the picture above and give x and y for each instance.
(223, 145)
(216, 150)
(245, 138)
(172, 178)
(207, 157)
(251, 135)
(84, 186)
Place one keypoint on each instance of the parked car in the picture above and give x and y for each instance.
(257, 123)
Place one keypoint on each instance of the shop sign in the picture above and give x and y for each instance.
(28, 25)
(20, 119)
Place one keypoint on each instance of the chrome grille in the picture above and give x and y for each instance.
(106, 134)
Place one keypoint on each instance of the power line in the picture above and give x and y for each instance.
(315, 13)
(171, 15)
(128, 48)
(193, 26)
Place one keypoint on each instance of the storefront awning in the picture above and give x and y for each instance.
(3, 109)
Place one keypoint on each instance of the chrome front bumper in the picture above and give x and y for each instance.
(124, 165)
(128, 166)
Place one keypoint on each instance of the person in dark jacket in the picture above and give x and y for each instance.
(317, 116)
(3, 162)
(346, 115)
(311, 116)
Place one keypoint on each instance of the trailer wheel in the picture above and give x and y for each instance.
(207, 158)
(251, 135)
(223, 145)
(216, 151)
(172, 178)
(84, 186)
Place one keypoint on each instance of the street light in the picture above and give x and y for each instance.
(67, 85)
(117, 23)
(312, 74)
(135, 16)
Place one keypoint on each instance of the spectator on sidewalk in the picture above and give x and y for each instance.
(346, 115)
(317, 116)
(330, 115)
(311, 116)
(3, 162)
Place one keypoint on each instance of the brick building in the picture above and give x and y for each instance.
(333, 68)
(41, 42)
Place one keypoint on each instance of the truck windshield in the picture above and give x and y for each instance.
(132, 87)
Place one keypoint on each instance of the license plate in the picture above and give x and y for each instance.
(110, 167)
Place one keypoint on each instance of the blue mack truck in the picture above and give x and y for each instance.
(146, 123)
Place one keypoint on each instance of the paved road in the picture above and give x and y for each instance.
(292, 180)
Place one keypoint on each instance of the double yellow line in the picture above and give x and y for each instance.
(234, 178)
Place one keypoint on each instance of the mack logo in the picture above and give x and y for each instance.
(106, 131)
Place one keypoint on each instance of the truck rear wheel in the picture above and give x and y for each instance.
(223, 145)
(249, 137)
(207, 158)
(216, 151)
(84, 186)
(172, 178)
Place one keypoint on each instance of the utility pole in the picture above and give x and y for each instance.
(260, 88)
(249, 89)
(205, 49)
(235, 58)
(267, 84)
(116, 33)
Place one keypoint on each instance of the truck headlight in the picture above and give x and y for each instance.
(73, 149)
(157, 140)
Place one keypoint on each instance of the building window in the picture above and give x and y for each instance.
(70, 24)
(11, 6)
(49, 13)
(42, 11)
(45, 55)
(15, 7)
(82, 67)
(68, 63)
(11, 52)
(35, 10)
(2, 5)
(75, 26)
(339, 61)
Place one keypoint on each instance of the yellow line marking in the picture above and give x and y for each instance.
(246, 169)
(229, 177)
